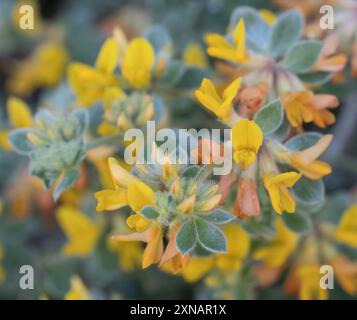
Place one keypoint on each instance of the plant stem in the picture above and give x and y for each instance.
(103, 140)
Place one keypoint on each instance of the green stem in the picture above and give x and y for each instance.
(103, 140)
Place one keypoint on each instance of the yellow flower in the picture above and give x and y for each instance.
(129, 254)
(137, 222)
(20, 116)
(222, 107)
(138, 60)
(78, 290)
(346, 273)
(346, 232)
(268, 16)
(219, 47)
(247, 138)
(195, 56)
(277, 186)
(91, 84)
(276, 253)
(153, 237)
(128, 190)
(305, 160)
(44, 68)
(238, 244)
(305, 106)
(81, 232)
(196, 268)
(2, 270)
(297, 108)
(309, 286)
(19, 113)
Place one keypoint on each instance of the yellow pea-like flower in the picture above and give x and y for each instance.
(219, 47)
(196, 268)
(128, 190)
(78, 290)
(277, 186)
(346, 232)
(222, 107)
(137, 63)
(309, 277)
(238, 244)
(195, 56)
(305, 160)
(137, 222)
(82, 233)
(129, 254)
(247, 137)
(276, 253)
(140, 195)
(91, 84)
(20, 116)
(111, 199)
(19, 113)
(108, 56)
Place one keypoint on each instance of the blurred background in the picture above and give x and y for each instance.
(29, 231)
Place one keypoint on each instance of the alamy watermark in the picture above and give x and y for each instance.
(179, 146)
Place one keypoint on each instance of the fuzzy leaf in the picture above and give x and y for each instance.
(186, 238)
(270, 117)
(316, 78)
(309, 192)
(20, 142)
(149, 212)
(83, 116)
(218, 216)
(302, 55)
(210, 236)
(158, 37)
(297, 222)
(286, 31)
(191, 78)
(68, 181)
(257, 29)
(192, 172)
(173, 73)
(303, 141)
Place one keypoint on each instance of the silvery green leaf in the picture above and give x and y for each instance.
(297, 221)
(210, 236)
(316, 78)
(283, 131)
(309, 192)
(257, 30)
(218, 216)
(83, 118)
(303, 141)
(158, 37)
(199, 251)
(191, 78)
(149, 212)
(286, 31)
(173, 73)
(186, 237)
(270, 117)
(302, 55)
(20, 142)
(159, 108)
(192, 172)
(68, 181)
